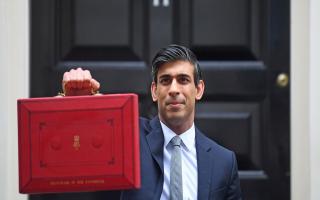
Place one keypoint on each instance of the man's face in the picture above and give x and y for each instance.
(176, 93)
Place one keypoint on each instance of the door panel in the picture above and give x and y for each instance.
(238, 80)
(228, 24)
(221, 30)
(237, 126)
(242, 46)
(92, 35)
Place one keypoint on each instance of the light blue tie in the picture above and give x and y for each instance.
(176, 192)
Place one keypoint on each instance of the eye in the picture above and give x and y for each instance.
(165, 81)
(184, 80)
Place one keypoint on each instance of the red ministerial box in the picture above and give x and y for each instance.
(83, 143)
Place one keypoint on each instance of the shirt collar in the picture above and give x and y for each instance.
(187, 137)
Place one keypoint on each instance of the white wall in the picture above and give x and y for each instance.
(14, 83)
(305, 99)
(314, 85)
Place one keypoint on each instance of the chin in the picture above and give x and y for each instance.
(175, 119)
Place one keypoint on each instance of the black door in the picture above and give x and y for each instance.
(243, 48)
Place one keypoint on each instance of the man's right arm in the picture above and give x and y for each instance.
(79, 82)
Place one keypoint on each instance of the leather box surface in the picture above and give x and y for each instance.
(83, 143)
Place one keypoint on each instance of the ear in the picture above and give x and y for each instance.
(154, 91)
(200, 90)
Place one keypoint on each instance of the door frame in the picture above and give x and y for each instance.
(305, 98)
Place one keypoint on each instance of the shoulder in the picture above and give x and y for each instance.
(216, 150)
(207, 142)
(143, 121)
(144, 125)
(222, 164)
(148, 125)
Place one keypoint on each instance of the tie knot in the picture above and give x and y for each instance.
(176, 141)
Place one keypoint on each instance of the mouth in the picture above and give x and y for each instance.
(175, 105)
(174, 102)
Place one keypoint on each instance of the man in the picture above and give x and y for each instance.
(193, 168)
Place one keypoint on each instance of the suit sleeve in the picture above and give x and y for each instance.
(234, 191)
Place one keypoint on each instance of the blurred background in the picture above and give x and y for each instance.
(259, 61)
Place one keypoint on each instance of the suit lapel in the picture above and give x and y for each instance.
(204, 165)
(155, 140)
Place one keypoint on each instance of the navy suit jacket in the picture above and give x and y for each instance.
(217, 166)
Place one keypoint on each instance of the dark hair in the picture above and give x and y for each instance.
(175, 53)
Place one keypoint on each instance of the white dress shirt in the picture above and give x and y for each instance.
(189, 163)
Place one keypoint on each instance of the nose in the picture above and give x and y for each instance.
(174, 88)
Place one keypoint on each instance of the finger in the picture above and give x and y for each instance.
(72, 83)
(65, 80)
(86, 84)
(72, 71)
(66, 77)
(95, 85)
(82, 77)
(79, 80)
(69, 79)
(87, 77)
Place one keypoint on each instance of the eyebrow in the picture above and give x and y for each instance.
(178, 75)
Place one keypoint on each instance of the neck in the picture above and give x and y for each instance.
(177, 126)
